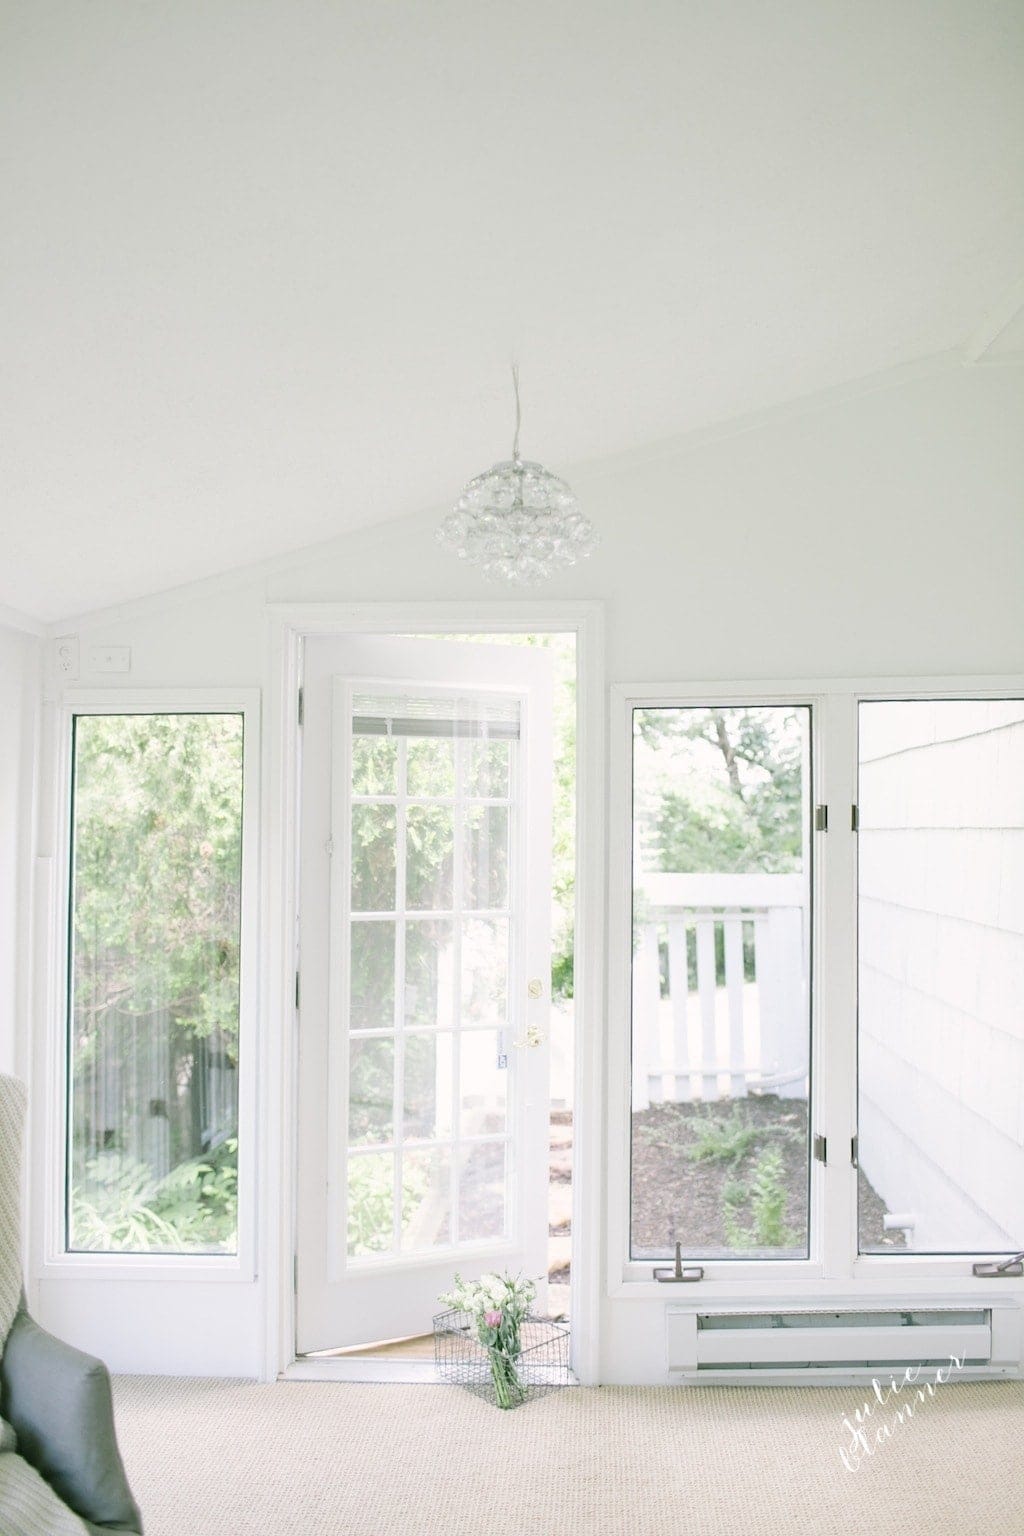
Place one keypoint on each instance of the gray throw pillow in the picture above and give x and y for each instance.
(58, 1401)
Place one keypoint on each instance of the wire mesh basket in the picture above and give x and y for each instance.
(541, 1364)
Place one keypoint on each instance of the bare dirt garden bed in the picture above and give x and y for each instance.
(730, 1177)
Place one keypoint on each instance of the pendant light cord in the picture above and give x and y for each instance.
(519, 414)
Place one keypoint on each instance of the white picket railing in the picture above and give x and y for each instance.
(719, 1041)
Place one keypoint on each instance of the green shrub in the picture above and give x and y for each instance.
(723, 1140)
(766, 1196)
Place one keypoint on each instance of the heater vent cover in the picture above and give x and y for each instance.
(832, 1338)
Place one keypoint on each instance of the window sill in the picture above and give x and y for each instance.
(913, 1277)
(206, 1268)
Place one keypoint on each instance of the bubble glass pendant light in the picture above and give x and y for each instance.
(518, 522)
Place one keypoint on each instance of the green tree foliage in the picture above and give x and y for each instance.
(156, 899)
(720, 790)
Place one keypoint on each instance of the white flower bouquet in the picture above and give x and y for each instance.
(497, 1305)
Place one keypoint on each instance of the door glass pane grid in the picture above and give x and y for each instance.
(451, 1187)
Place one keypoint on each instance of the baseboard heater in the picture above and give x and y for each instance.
(830, 1339)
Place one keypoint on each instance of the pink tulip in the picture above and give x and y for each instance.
(492, 1319)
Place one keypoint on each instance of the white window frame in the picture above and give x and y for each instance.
(834, 1265)
(56, 1261)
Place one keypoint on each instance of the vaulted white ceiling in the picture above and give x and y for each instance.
(265, 262)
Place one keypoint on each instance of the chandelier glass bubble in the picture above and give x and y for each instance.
(518, 522)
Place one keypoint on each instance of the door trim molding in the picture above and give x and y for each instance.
(288, 625)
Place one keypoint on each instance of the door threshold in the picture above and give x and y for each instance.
(422, 1373)
(362, 1368)
(419, 1346)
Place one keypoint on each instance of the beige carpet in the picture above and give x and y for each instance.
(216, 1458)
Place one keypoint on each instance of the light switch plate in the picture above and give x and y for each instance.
(109, 658)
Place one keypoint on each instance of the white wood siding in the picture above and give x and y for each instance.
(942, 968)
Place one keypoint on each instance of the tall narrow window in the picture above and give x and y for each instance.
(154, 983)
(941, 961)
(720, 987)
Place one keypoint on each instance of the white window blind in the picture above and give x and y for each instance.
(491, 717)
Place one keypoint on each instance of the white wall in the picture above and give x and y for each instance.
(884, 534)
(20, 656)
(878, 534)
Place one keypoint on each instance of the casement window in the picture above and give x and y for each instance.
(720, 982)
(156, 1132)
(822, 903)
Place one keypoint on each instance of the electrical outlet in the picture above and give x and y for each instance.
(66, 651)
(109, 658)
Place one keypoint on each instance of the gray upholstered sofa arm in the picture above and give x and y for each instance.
(58, 1402)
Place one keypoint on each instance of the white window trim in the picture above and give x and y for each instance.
(833, 1266)
(54, 1261)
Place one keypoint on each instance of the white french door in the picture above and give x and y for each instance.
(424, 942)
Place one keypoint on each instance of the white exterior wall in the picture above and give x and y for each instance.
(832, 541)
(942, 969)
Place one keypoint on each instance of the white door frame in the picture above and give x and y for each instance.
(289, 624)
